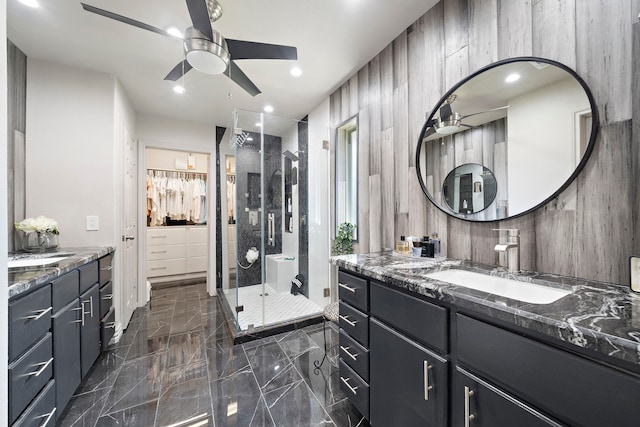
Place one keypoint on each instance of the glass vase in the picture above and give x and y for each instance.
(37, 241)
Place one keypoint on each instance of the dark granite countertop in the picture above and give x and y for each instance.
(24, 279)
(598, 316)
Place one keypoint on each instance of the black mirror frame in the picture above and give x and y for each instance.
(590, 146)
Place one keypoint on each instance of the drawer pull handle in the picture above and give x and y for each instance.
(427, 387)
(158, 252)
(49, 415)
(108, 297)
(111, 325)
(107, 268)
(348, 288)
(346, 350)
(349, 322)
(468, 416)
(37, 373)
(346, 382)
(39, 315)
(159, 268)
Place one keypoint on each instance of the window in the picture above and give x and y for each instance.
(346, 190)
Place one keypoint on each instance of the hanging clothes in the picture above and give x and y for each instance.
(175, 195)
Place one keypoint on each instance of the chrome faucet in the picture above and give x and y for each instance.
(511, 247)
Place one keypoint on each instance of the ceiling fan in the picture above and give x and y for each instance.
(449, 121)
(207, 50)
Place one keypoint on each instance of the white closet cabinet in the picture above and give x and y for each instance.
(176, 250)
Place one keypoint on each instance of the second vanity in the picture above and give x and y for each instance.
(416, 350)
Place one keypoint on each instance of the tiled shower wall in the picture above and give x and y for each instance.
(589, 230)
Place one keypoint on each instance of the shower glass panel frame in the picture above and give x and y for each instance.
(272, 284)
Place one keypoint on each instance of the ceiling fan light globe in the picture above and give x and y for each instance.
(207, 57)
(447, 129)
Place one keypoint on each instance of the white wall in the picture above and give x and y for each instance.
(70, 153)
(551, 160)
(319, 218)
(4, 238)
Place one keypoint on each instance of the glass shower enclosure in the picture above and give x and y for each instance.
(267, 213)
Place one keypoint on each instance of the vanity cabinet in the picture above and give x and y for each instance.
(90, 329)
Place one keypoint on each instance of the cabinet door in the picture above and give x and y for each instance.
(479, 404)
(408, 383)
(90, 330)
(66, 351)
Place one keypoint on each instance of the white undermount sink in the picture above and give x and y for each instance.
(30, 262)
(514, 289)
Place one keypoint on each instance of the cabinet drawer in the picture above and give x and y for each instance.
(42, 411)
(29, 374)
(568, 387)
(64, 289)
(107, 328)
(165, 236)
(354, 290)
(89, 276)
(106, 268)
(166, 252)
(354, 355)
(197, 235)
(197, 249)
(354, 388)
(166, 267)
(354, 323)
(426, 322)
(29, 319)
(196, 264)
(106, 298)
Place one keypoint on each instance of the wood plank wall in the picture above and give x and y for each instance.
(589, 230)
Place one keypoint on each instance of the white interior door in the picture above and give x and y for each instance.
(129, 252)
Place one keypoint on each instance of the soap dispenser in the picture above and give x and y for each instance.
(427, 248)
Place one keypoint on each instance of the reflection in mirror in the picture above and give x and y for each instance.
(346, 190)
(530, 122)
(469, 188)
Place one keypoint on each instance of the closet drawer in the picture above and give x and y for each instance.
(354, 290)
(29, 374)
(29, 319)
(106, 298)
(42, 411)
(197, 249)
(89, 276)
(165, 236)
(64, 289)
(107, 328)
(354, 355)
(426, 322)
(196, 264)
(197, 235)
(355, 388)
(354, 323)
(166, 267)
(166, 252)
(106, 267)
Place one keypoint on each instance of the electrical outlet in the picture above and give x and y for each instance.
(93, 223)
(327, 292)
(634, 268)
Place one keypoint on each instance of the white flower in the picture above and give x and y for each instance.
(40, 224)
(252, 255)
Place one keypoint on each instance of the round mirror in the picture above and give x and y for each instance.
(506, 139)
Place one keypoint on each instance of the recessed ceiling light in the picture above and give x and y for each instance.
(512, 78)
(173, 31)
(296, 72)
(30, 3)
(268, 109)
(178, 89)
(249, 138)
(259, 124)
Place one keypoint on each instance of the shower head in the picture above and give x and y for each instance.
(289, 155)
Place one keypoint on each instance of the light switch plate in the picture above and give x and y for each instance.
(634, 268)
(93, 223)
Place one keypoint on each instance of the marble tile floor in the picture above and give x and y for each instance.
(176, 365)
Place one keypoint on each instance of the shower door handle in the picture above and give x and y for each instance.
(272, 229)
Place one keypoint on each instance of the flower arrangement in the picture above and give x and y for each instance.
(40, 224)
(343, 244)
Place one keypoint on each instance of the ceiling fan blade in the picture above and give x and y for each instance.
(237, 75)
(486, 111)
(123, 19)
(470, 126)
(200, 17)
(445, 111)
(178, 71)
(240, 49)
